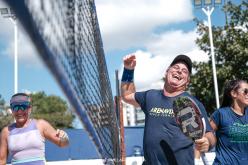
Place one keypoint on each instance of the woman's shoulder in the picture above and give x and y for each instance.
(40, 121)
(41, 124)
(221, 111)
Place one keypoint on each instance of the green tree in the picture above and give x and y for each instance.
(53, 109)
(2, 102)
(231, 52)
(5, 117)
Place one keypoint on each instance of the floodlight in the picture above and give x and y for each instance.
(217, 2)
(207, 2)
(197, 2)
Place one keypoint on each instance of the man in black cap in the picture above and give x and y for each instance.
(160, 124)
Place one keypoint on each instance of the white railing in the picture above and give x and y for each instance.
(129, 161)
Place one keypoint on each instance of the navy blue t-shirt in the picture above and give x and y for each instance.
(232, 137)
(160, 124)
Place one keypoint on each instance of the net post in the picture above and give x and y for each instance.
(119, 111)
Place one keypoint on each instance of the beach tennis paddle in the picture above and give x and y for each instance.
(189, 119)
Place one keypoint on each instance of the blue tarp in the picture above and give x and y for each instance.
(81, 147)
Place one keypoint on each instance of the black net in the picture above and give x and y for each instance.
(67, 36)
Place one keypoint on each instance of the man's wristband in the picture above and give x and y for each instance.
(127, 75)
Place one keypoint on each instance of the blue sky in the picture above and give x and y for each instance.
(155, 30)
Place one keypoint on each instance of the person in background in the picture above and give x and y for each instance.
(230, 123)
(24, 140)
(160, 124)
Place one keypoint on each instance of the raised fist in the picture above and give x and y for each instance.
(129, 61)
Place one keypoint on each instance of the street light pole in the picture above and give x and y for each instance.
(16, 57)
(7, 13)
(208, 12)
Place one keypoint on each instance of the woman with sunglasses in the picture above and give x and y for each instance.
(230, 122)
(24, 140)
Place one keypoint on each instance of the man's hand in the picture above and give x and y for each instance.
(202, 144)
(129, 61)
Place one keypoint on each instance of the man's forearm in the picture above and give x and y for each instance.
(128, 92)
(127, 88)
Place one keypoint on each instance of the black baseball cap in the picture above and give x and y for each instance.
(183, 58)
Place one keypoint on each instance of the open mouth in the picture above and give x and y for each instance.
(20, 116)
(177, 77)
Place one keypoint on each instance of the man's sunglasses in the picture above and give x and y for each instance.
(245, 91)
(21, 107)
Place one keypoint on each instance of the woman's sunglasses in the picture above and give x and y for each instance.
(21, 107)
(245, 91)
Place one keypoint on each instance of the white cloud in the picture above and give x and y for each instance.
(149, 70)
(172, 42)
(26, 52)
(198, 55)
(130, 23)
